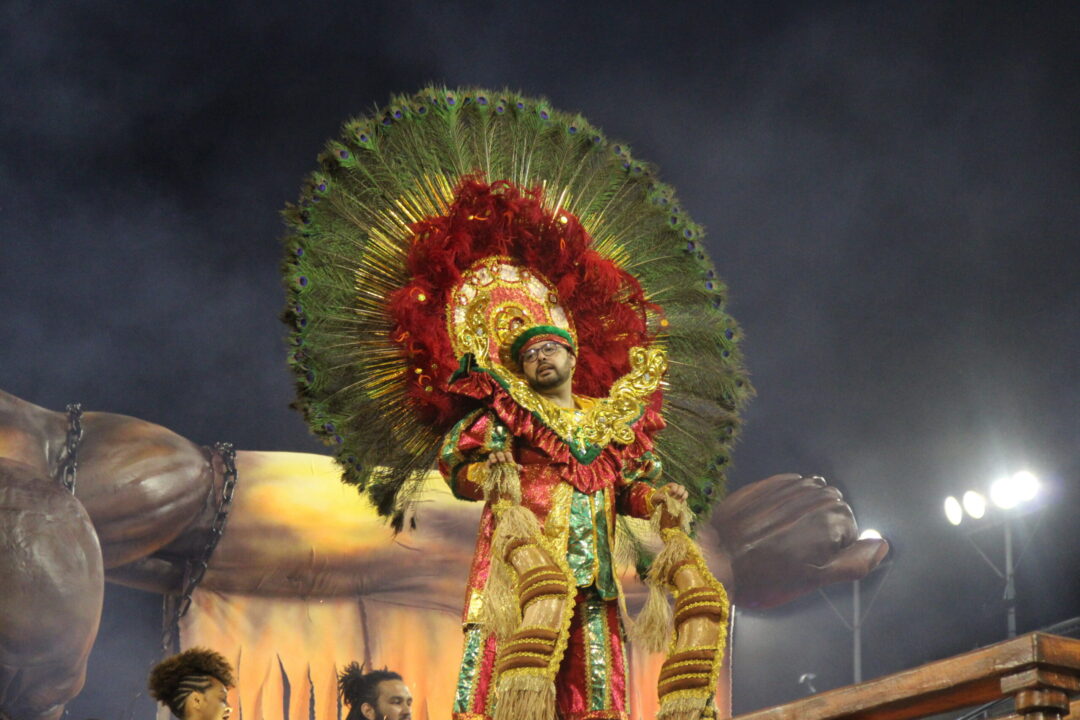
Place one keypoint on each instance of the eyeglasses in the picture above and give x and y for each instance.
(546, 349)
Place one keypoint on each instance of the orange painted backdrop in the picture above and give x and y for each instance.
(307, 579)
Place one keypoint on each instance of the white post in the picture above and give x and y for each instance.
(1010, 582)
(856, 627)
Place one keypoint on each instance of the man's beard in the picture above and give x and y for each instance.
(550, 380)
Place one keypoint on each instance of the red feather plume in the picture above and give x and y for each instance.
(607, 303)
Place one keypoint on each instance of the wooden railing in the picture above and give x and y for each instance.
(1037, 671)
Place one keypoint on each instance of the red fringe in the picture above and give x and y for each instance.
(607, 304)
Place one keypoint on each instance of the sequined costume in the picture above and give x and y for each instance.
(576, 505)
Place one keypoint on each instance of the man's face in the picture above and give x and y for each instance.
(547, 365)
(209, 704)
(394, 702)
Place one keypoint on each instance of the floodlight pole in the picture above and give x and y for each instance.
(856, 631)
(1010, 582)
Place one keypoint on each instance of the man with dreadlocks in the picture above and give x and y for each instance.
(193, 685)
(376, 695)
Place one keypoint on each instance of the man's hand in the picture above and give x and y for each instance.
(788, 535)
(672, 490)
(500, 456)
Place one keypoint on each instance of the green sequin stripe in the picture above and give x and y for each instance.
(605, 575)
(470, 669)
(597, 651)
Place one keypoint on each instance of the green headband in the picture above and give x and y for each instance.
(519, 343)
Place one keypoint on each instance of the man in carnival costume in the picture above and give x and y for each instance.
(461, 290)
(592, 674)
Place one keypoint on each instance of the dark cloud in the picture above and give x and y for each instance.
(889, 189)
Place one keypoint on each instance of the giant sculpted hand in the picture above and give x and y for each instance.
(788, 535)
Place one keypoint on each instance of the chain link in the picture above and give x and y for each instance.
(70, 462)
(194, 571)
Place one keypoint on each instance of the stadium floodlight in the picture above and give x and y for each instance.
(1003, 493)
(1027, 485)
(974, 504)
(953, 511)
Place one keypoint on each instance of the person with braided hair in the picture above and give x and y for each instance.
(193, 685)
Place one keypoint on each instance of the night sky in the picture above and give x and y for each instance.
(891, 191)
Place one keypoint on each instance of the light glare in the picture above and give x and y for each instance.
(1027, 485)
(870, 534)
(953, 511)
(974, 504)
(1004, 493)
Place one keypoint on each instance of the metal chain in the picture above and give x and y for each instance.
(194, 571)
(70, 462)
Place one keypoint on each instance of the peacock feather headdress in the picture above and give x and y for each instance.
(416, 201)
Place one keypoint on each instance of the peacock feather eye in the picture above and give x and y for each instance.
(481, 100)
(572, 130)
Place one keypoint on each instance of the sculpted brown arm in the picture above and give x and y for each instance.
(142, 485)
(51, 585)
(788, 535)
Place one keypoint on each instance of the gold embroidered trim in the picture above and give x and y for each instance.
(610, 419)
